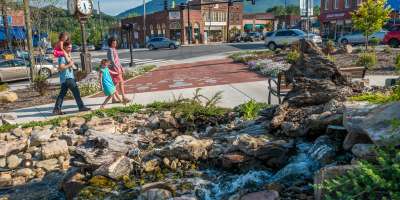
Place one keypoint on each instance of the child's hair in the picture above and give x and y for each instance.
(104, 61)
(62, 35)
(111, 40)
(66, 44)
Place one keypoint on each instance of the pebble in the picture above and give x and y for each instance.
(13, 161)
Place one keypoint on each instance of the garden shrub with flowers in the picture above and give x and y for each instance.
(268, 67)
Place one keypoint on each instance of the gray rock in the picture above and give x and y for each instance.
(323, 150)
(13, 161)
(40, 136)
(25, 172)
(55, 149)
(39, 190)
(6, 180)
(105, 125)
(115, 170)
(263, 195)
(72, 139)
(186, 147)
(76, 121)
(363, 119)
(155, 194)
(8, 147)
(3, 162)
(167, 121)
(364, 151)
(48, 165)
(328, 173)
(101, 148)
(154, 122)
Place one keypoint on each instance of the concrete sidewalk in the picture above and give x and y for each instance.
(232, 95)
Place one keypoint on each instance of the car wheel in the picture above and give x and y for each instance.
(272, 46)
(394, 43)
(172, 46)
(151, 47)
(45, 72)
(344, 41)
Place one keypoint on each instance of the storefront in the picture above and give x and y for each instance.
(215, 31)
(335, 25)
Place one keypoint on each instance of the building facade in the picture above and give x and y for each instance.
(335, 16)
(15, 28)
(259, 22)
(208, 23)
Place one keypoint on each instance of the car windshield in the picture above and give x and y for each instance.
(299, 32)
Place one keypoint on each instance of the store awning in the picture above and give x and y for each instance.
(18, 33)
(250, 26)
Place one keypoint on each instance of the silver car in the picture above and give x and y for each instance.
(358, 37)
(162, 42)
(18, 69)
(282, 38)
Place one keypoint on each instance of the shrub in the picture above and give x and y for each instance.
(370, 180)
(79, 75)
(367, 60)
(397, 62)
(130, 73)
(329, 47)
(4, 87)
(251, 109)
(40, 84)
(388, 50)
(292, 57)
(379, 97)
(374, 41)
(331, 58)
(86, 89)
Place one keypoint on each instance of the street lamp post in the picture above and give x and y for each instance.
(28, 26)
(144, 23)
(189, 24)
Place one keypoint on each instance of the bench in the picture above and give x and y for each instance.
(354, 72)
(278, 86)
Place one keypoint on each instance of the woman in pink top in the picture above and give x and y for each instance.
(116, 70)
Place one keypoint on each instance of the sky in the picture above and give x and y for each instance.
(111, 7)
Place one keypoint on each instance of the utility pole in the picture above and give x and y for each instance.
(144, 23)
(28, 27)
(101, 22)
(228, 21)
(189, 24)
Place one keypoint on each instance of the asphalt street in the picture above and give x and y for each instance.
(161, 56)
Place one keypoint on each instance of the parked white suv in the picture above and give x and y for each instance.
(287, 37)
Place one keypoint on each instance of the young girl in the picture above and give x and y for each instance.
(106, 83)
(59, 50)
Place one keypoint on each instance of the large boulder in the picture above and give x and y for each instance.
(376, 123)
(39, 136)
(120, 167)
(8, 97)
(55, 149)
(15, 146)
(155, 194)
(315, 81)
(187, 147)
(102, 148)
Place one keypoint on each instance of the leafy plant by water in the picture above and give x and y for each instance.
(369, 180)
(379, 97)
(251, 109)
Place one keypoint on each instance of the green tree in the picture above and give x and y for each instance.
(370, 17)
(76, 36)
(277, 10)
(94, 36)
(317, 10)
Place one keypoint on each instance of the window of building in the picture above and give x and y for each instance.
(336, 6)
(326, 4)
(347, 3)
(359, 2)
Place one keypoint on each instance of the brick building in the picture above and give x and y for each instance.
(260, 22)
(335, 16)
(208, 23)
(15, 27)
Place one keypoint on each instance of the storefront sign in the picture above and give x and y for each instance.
(174, 15)
(174, 26)
(335, 15)
(215, 23)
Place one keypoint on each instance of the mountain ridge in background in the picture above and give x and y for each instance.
(261, 6)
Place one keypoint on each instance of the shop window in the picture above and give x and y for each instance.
(326, 4)
(346, 3)
(336, 6)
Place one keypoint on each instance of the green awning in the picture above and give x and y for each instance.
(250, 26)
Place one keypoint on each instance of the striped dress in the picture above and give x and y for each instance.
(116, 69)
